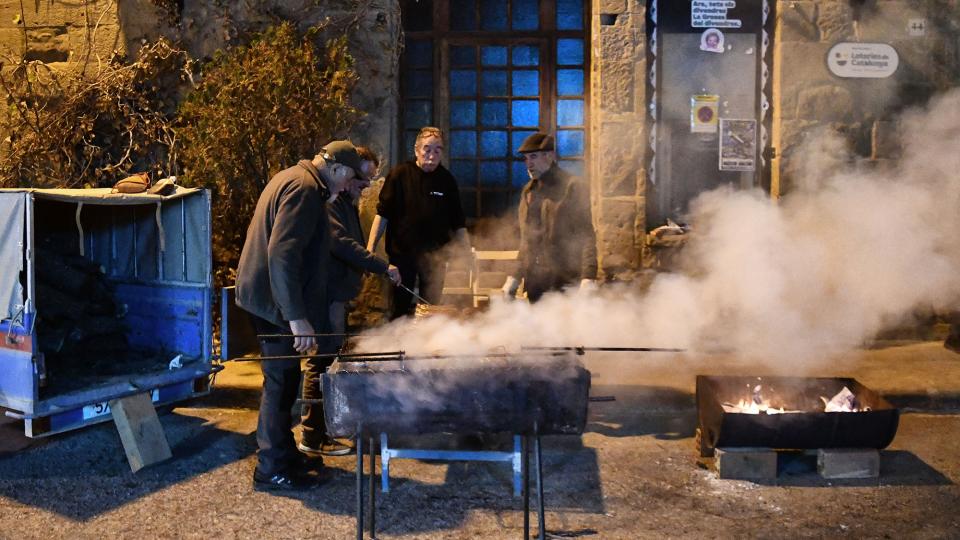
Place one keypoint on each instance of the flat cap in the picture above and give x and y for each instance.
(538, 142)
(344, 153)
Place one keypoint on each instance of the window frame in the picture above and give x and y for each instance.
(546, 36)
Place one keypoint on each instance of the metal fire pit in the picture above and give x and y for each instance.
(809, 429)
(530, 394)
(546, 394)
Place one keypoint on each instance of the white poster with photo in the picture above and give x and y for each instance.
(738, 145)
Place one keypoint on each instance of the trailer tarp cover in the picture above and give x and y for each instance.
(12, 221)
(102, 195)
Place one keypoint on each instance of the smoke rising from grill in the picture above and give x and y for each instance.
(851, 250)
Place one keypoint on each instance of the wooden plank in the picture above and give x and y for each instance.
(140, 431)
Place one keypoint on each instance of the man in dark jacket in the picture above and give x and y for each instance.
(558, 245)
(350, 260)
(421, 203)
(282, 283)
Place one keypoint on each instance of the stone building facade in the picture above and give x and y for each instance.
(627, 39)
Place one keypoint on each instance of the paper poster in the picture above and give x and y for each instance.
(706, 13)
(738, 145)
(703, 113)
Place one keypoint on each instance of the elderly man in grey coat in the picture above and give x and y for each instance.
(282, 283)
(350, 260)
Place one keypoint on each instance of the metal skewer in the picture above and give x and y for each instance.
(415, 295)
(581, 350)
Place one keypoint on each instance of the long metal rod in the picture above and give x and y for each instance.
(364, 356)
(329, 334)
(415, 295)
(537, 459)
(581, 350)
(373, 491)
(359, 445)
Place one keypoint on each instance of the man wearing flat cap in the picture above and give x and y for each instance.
(557, 241)
(282, 283)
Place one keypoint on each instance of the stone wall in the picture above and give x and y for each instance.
(62, 32)
(805, 95)
(617, 131)
(808, 98)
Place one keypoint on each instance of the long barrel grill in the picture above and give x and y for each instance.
(529, 394)
(546, 394)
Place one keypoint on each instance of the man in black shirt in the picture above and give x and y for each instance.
(557, 241)
(420, 211)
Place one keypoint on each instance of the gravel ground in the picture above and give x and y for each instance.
(633, 474)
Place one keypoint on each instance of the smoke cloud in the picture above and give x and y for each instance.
(850, 252)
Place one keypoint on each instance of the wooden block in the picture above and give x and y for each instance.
(140, 431)
(848, 462)
(746, 463)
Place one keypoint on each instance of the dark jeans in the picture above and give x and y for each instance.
(428, 268)
(281, 381)
(312, 419)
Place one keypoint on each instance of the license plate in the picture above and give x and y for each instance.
(95, 410)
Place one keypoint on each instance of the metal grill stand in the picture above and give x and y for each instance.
(521, 446)
(387, 454)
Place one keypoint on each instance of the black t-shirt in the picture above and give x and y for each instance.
(422, 209)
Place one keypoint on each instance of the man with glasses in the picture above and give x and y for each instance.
(282, 283)
(350, 260)
(420, 211)
(558, 245)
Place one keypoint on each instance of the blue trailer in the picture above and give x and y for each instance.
(155, 252)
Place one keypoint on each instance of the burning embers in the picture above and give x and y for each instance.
(843, 401)
(791, 413)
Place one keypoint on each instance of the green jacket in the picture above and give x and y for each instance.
(350, 256)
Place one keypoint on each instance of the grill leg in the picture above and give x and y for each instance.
(525, 465)
(384, 464)
(359, 485)
(541, 521)
(373, 491)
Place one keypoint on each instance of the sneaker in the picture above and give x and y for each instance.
(329, 447)
(284, 481)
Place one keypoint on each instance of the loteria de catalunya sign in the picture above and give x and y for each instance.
(862, 60)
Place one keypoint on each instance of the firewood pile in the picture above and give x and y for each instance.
(80, 325)
(424, 311)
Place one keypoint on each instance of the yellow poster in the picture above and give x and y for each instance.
(703, 113)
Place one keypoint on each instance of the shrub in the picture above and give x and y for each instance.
(258, 109)
(84, 127)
